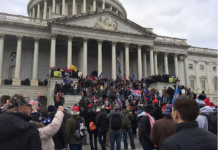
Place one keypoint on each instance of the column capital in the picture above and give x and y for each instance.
(114, 42)
(127, 44)
(196, 61)
(36, 39)
(85, 39)
(70, 38)
(166, 53)
(181, 58)
(151, 47)
(155, 52)
(207, 63)
(186, 56)
(53, 36)
(175, 55)
(2, 35)
(139, 45)
(19, 37)
(100, 41)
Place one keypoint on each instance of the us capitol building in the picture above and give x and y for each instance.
(91, 34)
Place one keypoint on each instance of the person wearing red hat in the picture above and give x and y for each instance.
(75, 143)
(157, 110)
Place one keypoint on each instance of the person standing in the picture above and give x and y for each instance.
(115, 124)
(164, 95)
(16, 132)
(84, 114)
(134, 123)
(157, 110)
(163, 128)
(102, 123)
(188, 135)
(92, 129)
(127, 128)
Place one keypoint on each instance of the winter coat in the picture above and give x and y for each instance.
(17, 133)
(164, 92)
(46, 133)
(92, 118)
(126, 112)
(134, 121)
(162, 129)
(144, 129)
(70, 129)
(190, 137)
(202, 120)
(102, 121)
(157, 112)
(85, 115)
(109, 116)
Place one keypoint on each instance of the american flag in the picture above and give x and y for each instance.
(118, 59)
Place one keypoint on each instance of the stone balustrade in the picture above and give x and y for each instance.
(171, 40)
(22, 19)
(198, 49)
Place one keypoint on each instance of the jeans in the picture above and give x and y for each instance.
(115, 137)
(102, 142)
(147, 148)
(76, 146)
(75, 91)
(165, 99)
(129, 131)
(85, 141)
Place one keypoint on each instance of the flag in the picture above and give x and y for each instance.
(118, 102)
(38, 99)
(133, 76)
(67, 80)
(72, 67)
(100, 75)
(63, 74)
(118, 59)
(119, 64)
(176, 94)
(118, 77)
(49, 67)
(58, 74)
(107, 76)
(92, 76)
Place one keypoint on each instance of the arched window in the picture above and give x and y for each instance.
(215, 84)
(70, 10)
(79, 9)
(61, 9)
(87, 9)
(11, 72)
(203, 83)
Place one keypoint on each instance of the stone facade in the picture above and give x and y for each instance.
(92, 41)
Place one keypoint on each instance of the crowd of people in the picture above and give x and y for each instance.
(26, 82)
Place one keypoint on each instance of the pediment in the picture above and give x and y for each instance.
(105, 21)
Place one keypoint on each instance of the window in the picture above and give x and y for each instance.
(192, 84)
(203, 85)
(87, 9)
(61, 9)
(190, 66)
(70, 10)
(79, 9)
(201, 67)
(215, 84)
(11, 72)
(214, 68)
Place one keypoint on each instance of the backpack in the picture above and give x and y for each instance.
(213, 116)
(92, 126)
(80, 129)
(125, 121)
(210, 122)
(116, 123)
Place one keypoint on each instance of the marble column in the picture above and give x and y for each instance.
(121, 63)
(74, 7)
(34, 81)
(85, 54)
(45, 9)
(139, 62)
(69, 51)
(151, 62)
(103, 4)
(84, 6)
(81, 58)
(50, 12)
(176, 65)
(127, 71)
(33, 12)
(181, 70)
(208, 76)
(155, 63)
(53, 6)
(100, 56)
(58, 8)
(166, 63)
(16, 80)
(145, 71)
(63, 7)
(114, 43)
(38, 10)
(94, 5)
(53, 50)
(186, 71)
(197, 77)
(2, 41)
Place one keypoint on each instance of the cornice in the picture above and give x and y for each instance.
(202, 53)
(105, 11)
(171, 44)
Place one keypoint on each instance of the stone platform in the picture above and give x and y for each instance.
(160, 86)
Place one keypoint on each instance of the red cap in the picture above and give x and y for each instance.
(155, 101)
(164, 106)
(75, 108)
(90, 105)
(110, 108)
(207, 102)
(212, 104)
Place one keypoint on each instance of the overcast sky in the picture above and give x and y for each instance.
(194, 20)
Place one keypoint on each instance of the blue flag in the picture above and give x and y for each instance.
(119, 65)
(107, 76)
(100, 75)
(133, 76)
(118, 77)
(67, 81)
(176, 94)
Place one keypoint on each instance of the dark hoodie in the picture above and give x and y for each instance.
(17, 133)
